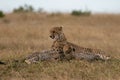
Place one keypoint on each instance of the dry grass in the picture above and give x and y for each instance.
(21, 34)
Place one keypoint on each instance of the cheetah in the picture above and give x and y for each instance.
(64, 50)
(56, 33)
(45, 55)
(68, 53)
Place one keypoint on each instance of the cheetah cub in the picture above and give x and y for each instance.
(69, 53)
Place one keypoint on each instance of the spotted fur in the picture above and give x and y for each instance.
(45, 55)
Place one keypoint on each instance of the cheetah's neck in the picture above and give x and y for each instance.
(62, 38)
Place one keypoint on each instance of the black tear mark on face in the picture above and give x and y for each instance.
(74, 49)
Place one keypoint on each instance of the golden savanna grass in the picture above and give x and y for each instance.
(24, 33)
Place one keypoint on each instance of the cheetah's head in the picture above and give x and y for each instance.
(68, 52)
(68, 49)
(56, 33)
